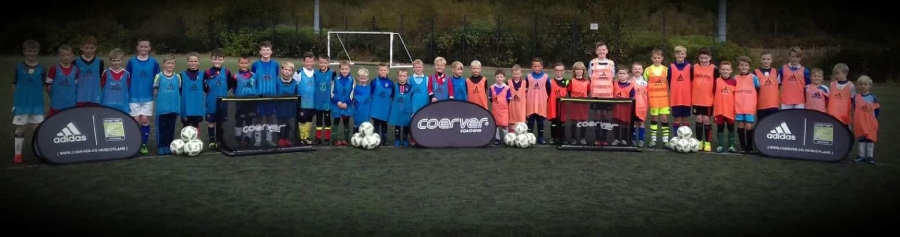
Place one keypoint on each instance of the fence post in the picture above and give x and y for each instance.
(534, 40)
(374, 26)
(465, 32)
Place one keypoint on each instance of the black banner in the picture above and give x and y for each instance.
(803, 134)
(258, 125)
(87, 134)
(596, 124)
(453, 124)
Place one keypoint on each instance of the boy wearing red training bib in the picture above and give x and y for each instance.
(865, 120)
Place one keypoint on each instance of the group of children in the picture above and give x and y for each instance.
(145, 88)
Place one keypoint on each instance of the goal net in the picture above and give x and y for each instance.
(369, 47)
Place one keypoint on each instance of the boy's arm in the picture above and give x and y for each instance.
(102, 79)
(806, 76)
(230, 80)
(155, 68)
(449, 87)
(669, 76)
(205, 85)
(756, 82)
(778, 72)
(155, 84)
(631, 93)
(877, 110)
(128, 66)
(430, 92)
(391, 88)
(691, 75)
(49, 81)
(508, 95)
(548, 86)
(102, 66)
(715, 72)
(647, 74)
(852, 91)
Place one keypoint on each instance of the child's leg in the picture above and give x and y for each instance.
(730, 125)
(664, 119)
(720, 133)
(530, 122)
(540, 127)
(346, 121)
(20, 138)
(654, 120)
(511, 128)
(384, 128)
(742, 135)
(863, 144)
(573, 132)
(405, 133)
(396, 134)
(211, 130)
(327, 120)
(145, 128)
(748, 126)
(870, 149)
(319, 124)
(336, 124)
(554, 130)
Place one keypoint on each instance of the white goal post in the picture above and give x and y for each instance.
(393, 63)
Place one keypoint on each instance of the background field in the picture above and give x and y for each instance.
(490, 191)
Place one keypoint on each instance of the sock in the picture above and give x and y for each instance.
(862, 149)
(583, 133)
(529, 122)
(497, 134)
(318, 132)
(634, 133)
(665, 132)
(653, 128)
(708, 129)
(562, 132)
(327, 133)
(616, 134)
(750, 140)
(405, 133)
(397, 133)
(554, 130)
(306, 127)
(720, 133)
(674, 128)
(641, 133)
(346, 132)
(145, 133)
(698, 130)
(730, 135)
(540, 128)
(211, 133)
(19, 141)
(741, 138)
(573, 131)
(870, 149)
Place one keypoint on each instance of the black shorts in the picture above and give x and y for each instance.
(305, 115)
(192, 119)
(681, 111)
(601, 106)
(703, 110)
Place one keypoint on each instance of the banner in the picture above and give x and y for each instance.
(803, 134)
(258, 125)
(453, 124)
(596, 124)
(87, 134)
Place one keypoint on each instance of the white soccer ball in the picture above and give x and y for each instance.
(695, 145)
(193, 147)
(366, 128)
(683, 146)
(188, 133)
(356, 140)
(532, 139)
(510, 139)
(522, 141)
(370, 142)
(685, 132)
(673, 141)
(177, 147)
(521, 128)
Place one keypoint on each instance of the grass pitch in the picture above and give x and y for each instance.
(464, 192)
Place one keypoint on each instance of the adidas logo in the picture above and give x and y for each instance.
(781, 132)
(69, 134)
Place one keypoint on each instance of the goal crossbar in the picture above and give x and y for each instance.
(391, 61)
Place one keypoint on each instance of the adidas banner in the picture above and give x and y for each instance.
(803, 134)
(87, 134)
(258, 125)
(595, 124)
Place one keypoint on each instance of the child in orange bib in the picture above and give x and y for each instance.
(769, 94)
(538, 90)
(658, 89)
(865, 120)
(816, 94)
(723, 110)
(745, 96)
(517, 87)
(500, 97)
(624, 89)
(579, 87)
(842, 92)
(601, 72)
(640, 103)
(476, 86)
(680, 80)
(702, 96)
(793, 78)
(557, 90)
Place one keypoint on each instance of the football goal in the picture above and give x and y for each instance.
(371, 46)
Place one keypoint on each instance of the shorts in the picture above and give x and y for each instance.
(305, 115)
(703, 110)
(748, 118)
(763, 113)
(797, 106)
(265, 108)
(659, 111)
(722, 120)
(25, 119)
(601, 106)
(192, 119)
(141, 109)
(212, 118)
(681, 111)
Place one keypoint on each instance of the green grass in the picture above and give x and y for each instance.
(489, 191)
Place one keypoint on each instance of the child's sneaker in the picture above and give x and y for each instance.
(640, 143)
(397, 143)
(144, 149)
(615, 142)
(327, 142)
(541, 141)
(317, 142)
(871, 160)
(720, 149)
(582, 142)
(405, 143)
(212, 145)
(707, 147)
(732, 150)
(17, 159)
(496, 142)
(652, 144)
(860, 159)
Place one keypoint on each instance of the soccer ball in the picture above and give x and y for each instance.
(177, 147)
(510, 139)
(356, 139)
(683, 145)
(522, 141)
(377, 136)
(673, 141)
(521, 128)
(685, 132)
(193, 147)
(366, 128)
(370, 142)
(532, 140)
(695, 145)
(188, 133)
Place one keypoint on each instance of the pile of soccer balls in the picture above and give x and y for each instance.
(189, 144)
(684, 142)
(521, 138)
(366, 137)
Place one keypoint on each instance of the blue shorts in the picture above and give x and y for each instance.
(747, 118)
(212, 118)
(265, 109)
(681, 111)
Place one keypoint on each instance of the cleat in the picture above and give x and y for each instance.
(652, 144)
(707, 147)
(615, 142)
(640, 143)
(212, 145)
(405, 143)
(397, 143)
(144, 149)
(583, 142)
(496, 142)
(17, 159)
(318, 141)
(327, 142)
(540, 141)
(719, 149)
(732, 150)
(860, 159)
(871, 160)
